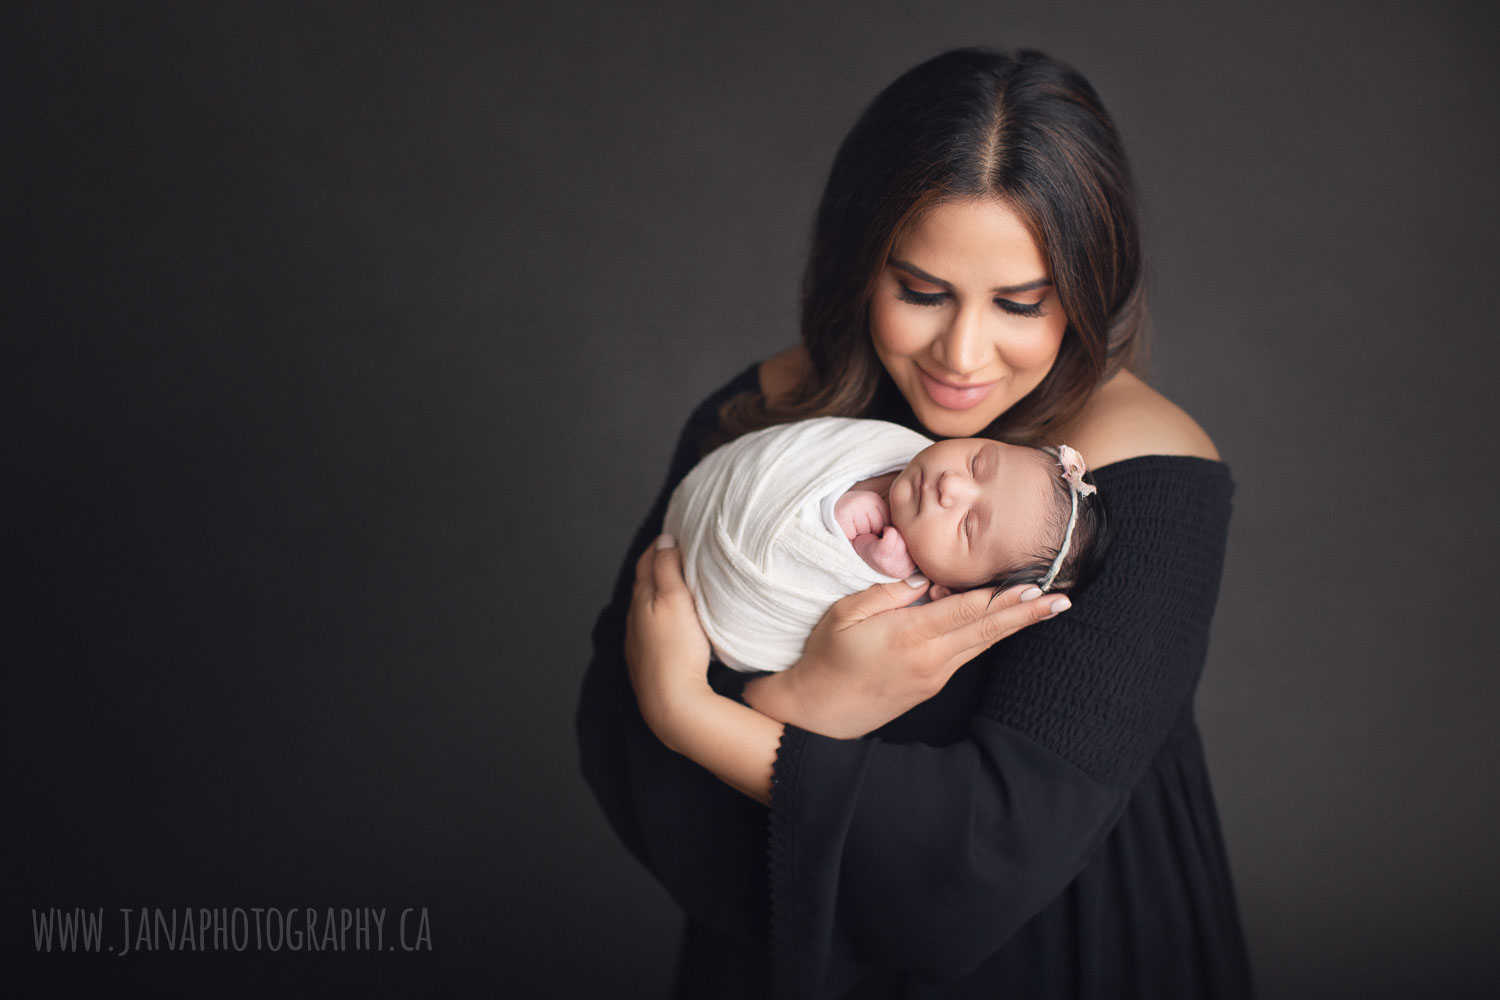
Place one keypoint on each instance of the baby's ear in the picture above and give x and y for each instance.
(937, 592)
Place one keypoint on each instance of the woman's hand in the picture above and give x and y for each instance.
(665, 646)
(873, 657)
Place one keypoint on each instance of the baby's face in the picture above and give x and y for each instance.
(969, 507)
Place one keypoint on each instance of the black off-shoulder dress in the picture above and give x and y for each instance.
(1044, 827)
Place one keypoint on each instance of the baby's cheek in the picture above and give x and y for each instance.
(921, 552)
(899, 520)
(942, 565)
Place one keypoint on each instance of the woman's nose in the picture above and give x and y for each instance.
(965, 344)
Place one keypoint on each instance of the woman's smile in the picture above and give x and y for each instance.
(952, 396)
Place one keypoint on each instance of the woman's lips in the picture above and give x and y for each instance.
(954, 397)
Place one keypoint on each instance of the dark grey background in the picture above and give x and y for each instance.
(345, 347)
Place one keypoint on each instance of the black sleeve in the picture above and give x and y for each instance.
(927, 859)
(704, 841)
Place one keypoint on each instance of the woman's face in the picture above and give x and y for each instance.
(964, 316)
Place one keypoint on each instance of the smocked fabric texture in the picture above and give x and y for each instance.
(1044, 827)
(761, 552)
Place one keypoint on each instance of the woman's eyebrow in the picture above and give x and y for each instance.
(917, 272)
(1025, 286)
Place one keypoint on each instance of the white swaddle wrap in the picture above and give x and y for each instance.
(761, 550)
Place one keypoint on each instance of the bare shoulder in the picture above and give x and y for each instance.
(1127, 418)
(781, 372)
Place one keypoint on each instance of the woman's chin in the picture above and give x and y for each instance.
(954, 423)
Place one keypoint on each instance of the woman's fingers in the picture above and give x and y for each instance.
(666, 568)
(645, 572)
(971, 622)
(658, 572)
(880, 597)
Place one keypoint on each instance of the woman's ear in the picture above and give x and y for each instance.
(937, 592)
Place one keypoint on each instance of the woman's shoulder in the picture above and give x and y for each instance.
(1128, 419)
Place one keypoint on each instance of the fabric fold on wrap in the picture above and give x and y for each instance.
(760, 549)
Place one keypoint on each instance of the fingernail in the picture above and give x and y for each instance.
(1031, 593)
(916, 580)
(1060, 605)
(666, 542)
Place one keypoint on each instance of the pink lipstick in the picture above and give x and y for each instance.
(954, 397)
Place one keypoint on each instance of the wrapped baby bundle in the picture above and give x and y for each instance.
(761, 550)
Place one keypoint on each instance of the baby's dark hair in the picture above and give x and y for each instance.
(1091, 536)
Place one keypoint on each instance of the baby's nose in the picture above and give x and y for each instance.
(954, 489)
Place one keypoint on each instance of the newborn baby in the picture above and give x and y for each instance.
(778, 524)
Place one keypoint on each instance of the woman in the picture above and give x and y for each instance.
(948, 816)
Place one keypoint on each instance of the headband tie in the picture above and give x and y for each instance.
(1073, 469)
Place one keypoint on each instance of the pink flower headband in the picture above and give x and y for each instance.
(1073, 469)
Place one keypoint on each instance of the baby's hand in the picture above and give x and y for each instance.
(886, 553)
(861, 512)
(865, 519)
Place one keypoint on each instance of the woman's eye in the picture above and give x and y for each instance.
(921, 298)
(1032, 310)
(916, 298)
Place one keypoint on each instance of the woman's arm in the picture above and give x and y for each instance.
(713, 866)
(668, 653)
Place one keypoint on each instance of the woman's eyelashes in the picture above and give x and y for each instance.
(921, 298)
(1031, 310)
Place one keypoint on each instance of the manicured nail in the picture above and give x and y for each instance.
(916, 580)
(1031, 594)
(1060, 605)
(666, 542)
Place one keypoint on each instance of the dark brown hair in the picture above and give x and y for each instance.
(1091, 538)
(1025, 129)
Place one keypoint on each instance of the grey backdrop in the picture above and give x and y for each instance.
(346, 345)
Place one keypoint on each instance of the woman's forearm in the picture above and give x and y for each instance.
(779, 696)
(667, 655)
(735, 743)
